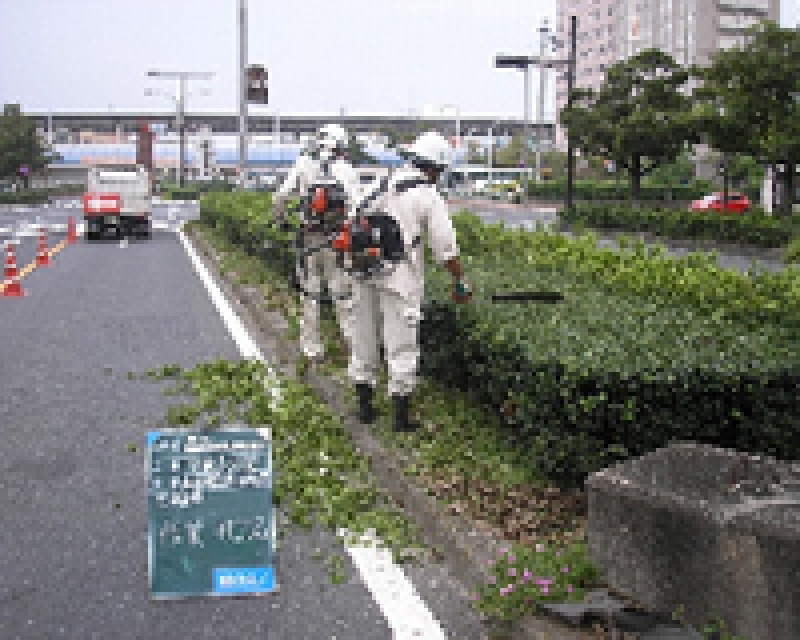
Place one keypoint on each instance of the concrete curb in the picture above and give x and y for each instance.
(467, 548)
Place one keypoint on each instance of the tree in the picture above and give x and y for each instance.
(21, 145)
(510, 155)
(637, 118)
(356, 154)
(759, 86)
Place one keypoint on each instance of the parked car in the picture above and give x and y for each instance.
(737, 203)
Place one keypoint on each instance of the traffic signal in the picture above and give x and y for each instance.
(257, 92)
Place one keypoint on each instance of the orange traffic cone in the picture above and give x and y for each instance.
(43, 256)
(11, 262)
(72, 232)
(12, 288)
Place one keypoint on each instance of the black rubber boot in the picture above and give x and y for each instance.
(401, 421)
(366, 412)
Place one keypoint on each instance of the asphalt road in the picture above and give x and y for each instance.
(74, 566)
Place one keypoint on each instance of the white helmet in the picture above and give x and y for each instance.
(331, 138)
(431, 148)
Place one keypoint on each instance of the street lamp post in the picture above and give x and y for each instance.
(242, 91)
(182, 77)
(544, 37)
(523, 63)
(724, 164)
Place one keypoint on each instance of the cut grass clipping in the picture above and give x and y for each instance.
(319, 477)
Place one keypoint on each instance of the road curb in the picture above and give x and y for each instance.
(468, 549)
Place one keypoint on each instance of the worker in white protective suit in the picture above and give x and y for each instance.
(410, 199)
(324, 161)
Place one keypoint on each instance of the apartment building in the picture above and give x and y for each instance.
(612, 30)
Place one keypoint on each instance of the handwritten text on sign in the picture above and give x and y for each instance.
(210, 511)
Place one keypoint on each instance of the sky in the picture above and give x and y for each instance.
(365, 56)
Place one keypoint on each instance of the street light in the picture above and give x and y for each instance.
(182, 77)
(523, 63)
(520, 63)
(724, 166)
(544, 39)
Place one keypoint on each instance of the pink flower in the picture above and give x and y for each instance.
(473, 597)
(512, 572)
(558, 554)
(545, 590)
(527, 575)
(509, 588)
(502, 551)
(490, 563)
(492, 579)
(541, 582)
(569, 588)
(503, 592)
(511, 558)
(565, 569)
(539, 548)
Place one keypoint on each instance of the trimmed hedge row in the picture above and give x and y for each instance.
(611, 190)
(644, 349)
(753, 228)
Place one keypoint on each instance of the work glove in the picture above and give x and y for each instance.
(461, 291)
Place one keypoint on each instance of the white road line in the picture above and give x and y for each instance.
(405, 612)
(246, 345)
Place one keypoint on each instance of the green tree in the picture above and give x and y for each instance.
(21, 145)
(759, 87)
(357, 155)
(680, 171)
(638, 118)
(510, 155)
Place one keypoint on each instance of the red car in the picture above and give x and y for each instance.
(737, 203)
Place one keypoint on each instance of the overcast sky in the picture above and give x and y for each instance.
(363, 55)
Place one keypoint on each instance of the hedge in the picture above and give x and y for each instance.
(611, 190)
(644, 349)
(753, 228)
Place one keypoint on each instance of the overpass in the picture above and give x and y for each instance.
(66, 126)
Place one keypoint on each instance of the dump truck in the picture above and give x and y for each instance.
(118, 200)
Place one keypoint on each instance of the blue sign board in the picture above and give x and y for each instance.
(210, 512)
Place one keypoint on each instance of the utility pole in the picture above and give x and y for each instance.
(527, 116)
(242, 91)
(570, 83)
(544, 29)
(182, 77)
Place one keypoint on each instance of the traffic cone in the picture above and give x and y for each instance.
(12, 288)
(11, 262)
(43, 256)
(72, 232)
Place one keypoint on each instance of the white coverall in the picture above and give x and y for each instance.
(397, 296)
(305, 172)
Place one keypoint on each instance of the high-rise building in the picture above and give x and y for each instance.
(612, 30)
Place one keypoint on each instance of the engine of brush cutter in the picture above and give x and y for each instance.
(368, 245)
(325, 207)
